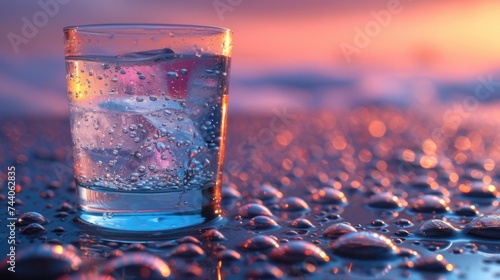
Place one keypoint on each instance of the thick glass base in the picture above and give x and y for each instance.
(146, 213)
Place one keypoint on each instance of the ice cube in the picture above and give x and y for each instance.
(178, 137)
(156, 55)
(132, 105)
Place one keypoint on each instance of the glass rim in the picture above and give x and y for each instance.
(106, 28)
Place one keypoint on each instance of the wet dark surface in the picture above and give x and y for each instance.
(368, 193)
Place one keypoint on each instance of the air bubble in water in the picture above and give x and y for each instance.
(172, 75)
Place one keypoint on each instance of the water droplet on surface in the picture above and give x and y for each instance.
(61, 214)
(293, 204)
(301, 223)
(134, 265)
(336, 230)
(259, 242)
(134, 247)
(228, 255)
(32, 229)
(466, 211)
(298, 251)
(421, 182)
(44, 261)
(251, 210)
(328, 196)
(262, 222)
(214, 235)
(58, 229)
(403, 223)
(430, 264)
(479, 189)
(189, 239)
(429, 204)
(263, 270)
(365, 245)
(436, 228)
(48, 194)
(188, 250)
(267, 193)
(487, 226)
(31, 217)
(378, 223)
(386, 201)
(402, 233)
(230, 193)
(64, 207)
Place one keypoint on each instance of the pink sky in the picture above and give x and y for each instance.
(439, 38)
(452, 40)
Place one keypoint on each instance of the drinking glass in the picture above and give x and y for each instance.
(148, 122)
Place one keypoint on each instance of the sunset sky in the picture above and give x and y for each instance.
(438, 40)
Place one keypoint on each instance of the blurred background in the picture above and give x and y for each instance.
(301, 54)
